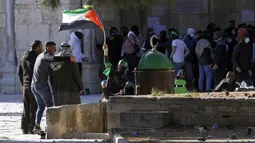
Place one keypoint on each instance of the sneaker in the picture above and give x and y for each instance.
(37, 129)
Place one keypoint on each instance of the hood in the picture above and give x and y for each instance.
(73, 36)
(131, 33)
(242, 33)
(191, 31)
(113, 31)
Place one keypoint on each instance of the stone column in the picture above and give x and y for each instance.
(90, 69)
(8, 84)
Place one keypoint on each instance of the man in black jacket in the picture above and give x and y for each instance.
(221, 57)
(25, 74)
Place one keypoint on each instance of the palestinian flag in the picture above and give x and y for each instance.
(85, 18)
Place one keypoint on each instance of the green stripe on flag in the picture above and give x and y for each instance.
(77, 11)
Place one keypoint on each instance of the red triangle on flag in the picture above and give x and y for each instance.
(92, 16)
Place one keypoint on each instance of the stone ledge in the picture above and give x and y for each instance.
(72, 121)
(191, 111)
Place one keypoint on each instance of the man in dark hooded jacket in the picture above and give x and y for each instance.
(147, 45)
(114, 42)
(242, 56)
(25, 74)
(220, 57)
(163, 43)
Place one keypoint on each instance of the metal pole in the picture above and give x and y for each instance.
(10, 32)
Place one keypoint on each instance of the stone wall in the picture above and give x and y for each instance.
(35, 23)
(158, 112)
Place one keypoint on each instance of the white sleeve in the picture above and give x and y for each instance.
(174, 43)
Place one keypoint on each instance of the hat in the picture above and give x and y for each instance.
(230, 75)
(65, 44)
(217, 35)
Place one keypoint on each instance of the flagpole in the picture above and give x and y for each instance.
(104, 36)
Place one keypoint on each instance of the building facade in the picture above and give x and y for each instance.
(22, 21)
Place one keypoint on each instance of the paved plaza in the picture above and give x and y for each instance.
(10, 116)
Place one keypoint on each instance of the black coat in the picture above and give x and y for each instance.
(26, 67)
(66, 84)
(221, 55)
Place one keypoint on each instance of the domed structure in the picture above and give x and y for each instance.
(153, 59)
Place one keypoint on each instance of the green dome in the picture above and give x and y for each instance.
(153, 59)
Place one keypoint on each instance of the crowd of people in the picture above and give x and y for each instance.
(205, 56)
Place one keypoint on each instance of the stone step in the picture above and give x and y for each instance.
(145, 119)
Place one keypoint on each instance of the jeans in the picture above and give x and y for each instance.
(205, 71)
(177, 68)
(43, 98)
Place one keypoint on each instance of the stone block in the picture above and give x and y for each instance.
(3, 6)
(108, 14)
(2, 20)
(52, 17)
(21, 41)
(225, 109)
(26, 2)
(38, 31)
(113, 120)
(56, 36)
(28, 16)
(145, 119)
(75, 120)
(54, 125)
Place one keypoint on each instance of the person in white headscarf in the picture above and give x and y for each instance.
(76, 44)
(190, 60)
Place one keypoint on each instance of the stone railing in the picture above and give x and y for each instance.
(129, 113)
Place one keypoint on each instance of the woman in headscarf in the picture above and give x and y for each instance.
(129, 50)
(66, 80)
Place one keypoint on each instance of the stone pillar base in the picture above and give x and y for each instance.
(8, 82)
(91, 78)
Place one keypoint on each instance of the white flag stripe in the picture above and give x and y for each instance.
(67, 18)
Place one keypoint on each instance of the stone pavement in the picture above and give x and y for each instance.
(10, 117)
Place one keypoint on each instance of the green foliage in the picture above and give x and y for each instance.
(52, 4)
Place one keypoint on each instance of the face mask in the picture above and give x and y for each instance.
(229, 40)
(247, 40)
(192, 35)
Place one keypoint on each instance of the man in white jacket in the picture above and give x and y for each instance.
(75, 43)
